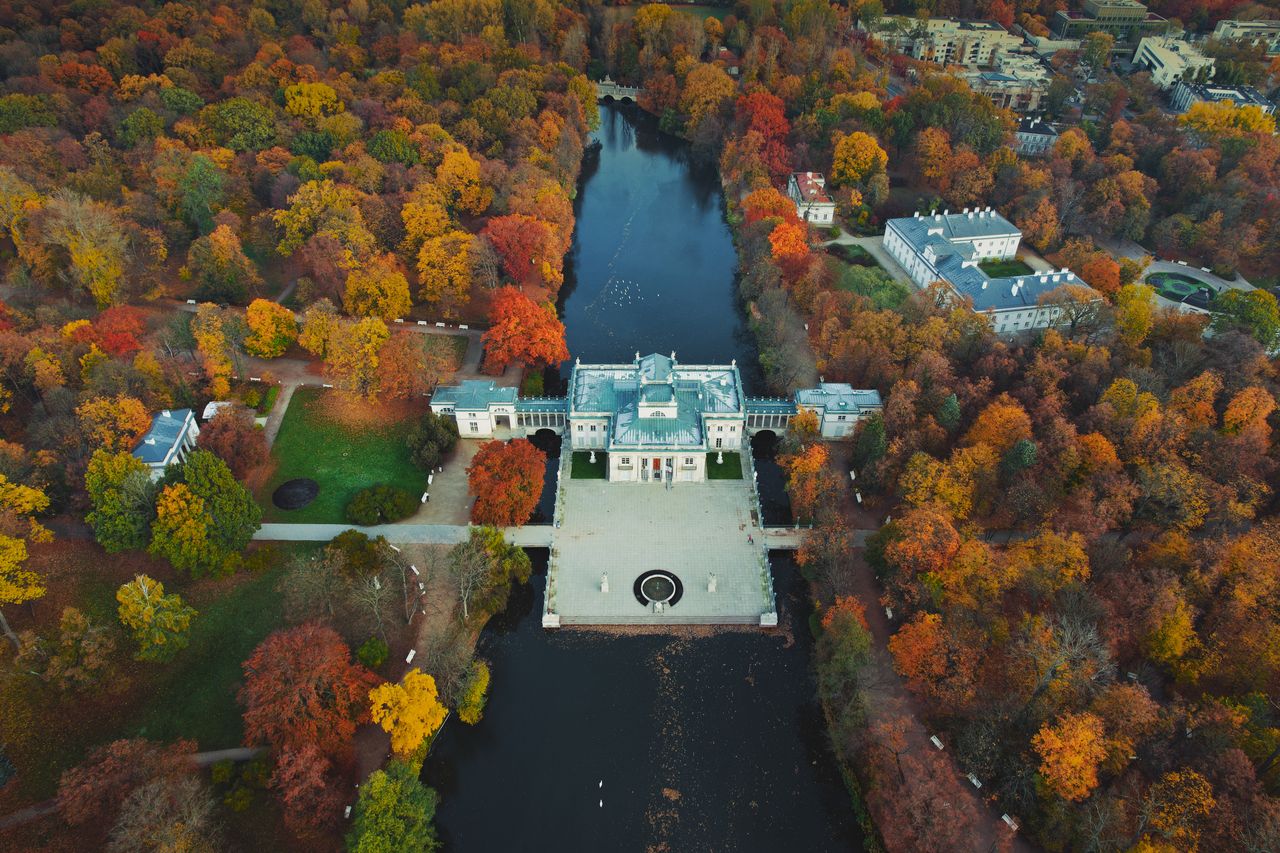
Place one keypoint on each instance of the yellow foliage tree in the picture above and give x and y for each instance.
(214, 348)
(319, 323)
(706, 89)
(312, 100)
(352, 356)
(1135, 313)
(378, 289)
(272, 328)
(1224, 118)
(856, 158)
(409, 711)
(1070, 752)
(1001, 425)
(458, 179)
(424, 215)
(114, 423)
(444, 268)
(18, 584)
(329, 209)
(1048, 561)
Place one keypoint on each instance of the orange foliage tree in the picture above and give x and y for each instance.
(1070, 752)
(767, 202)
(805, 484)
(788, 242)
(529, 249)
(506, 478)
(522, 330)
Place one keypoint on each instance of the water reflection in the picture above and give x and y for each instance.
(549, 443)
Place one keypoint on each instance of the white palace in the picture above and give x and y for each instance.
(657, 419)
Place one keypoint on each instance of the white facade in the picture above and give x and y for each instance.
(1265, 33)
(172, 436)
(1185, 94)
(1035, 137)
(809, 192)
(951, 248)
(1171, 61)
(947, 41)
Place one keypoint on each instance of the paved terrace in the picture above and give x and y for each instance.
(691, 530)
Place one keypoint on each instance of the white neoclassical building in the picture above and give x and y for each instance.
(657, 419)
(952, 248)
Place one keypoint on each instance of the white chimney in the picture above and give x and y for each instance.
(966, 210)
(165, 412)
(984, 285)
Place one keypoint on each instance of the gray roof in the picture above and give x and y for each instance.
(542, 404)
(473, 395)
(1238, 95)
(954, 263)
(770, 406)
(838, 396)
(1035, 126)
(619, 390)
(167, 429)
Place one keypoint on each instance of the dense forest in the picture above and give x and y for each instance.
(1079, 545)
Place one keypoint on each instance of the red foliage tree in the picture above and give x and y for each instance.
(119, 330)
(506, 479)
(308, 789)
(233, 435)
(94, 790)
(522, 330)
(302, 689)
(763, 112)
(527, 247)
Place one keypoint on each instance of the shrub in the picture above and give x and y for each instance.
(431, 438)
(532, 385)
(475, 689)
(381, 505)
(372, 652)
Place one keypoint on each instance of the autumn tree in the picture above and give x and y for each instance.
(236, 438)
(272, 328)
(378, 289)
(458, 179)
(18, 584)
(409, 711)
(444, 268)
(320, 323)
(506, 478)
(93, 791)
(1070, 752)
(94, 241)
(309, 788)
(530, 251)
(473, 692)
(352, 355)
(78, 657)
(113, 424)
(222, 271)
(484, 568)
(524, 331)
(158, 622)
(213, 343)
(302, 689)
(857, 157)
(806, 485)
(706, 90)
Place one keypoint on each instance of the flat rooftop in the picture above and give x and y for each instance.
(691, 530)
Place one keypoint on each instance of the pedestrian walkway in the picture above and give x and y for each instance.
(530, 536)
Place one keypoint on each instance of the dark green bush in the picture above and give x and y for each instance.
(431, 438)
(372, 652)
(381, 505)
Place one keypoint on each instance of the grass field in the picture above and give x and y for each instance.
(195, 698)
(1176, 286)
(1002, 269)
(852, 254)
(342, 457)
(584, 469)
(730, 470)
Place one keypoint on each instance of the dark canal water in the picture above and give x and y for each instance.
(707, 742)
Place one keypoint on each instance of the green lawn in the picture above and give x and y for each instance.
(584, 469)
(852, 254)
(196, 698)
(1003, 269)
(341, 458)
(730, 470)
(1176, 285)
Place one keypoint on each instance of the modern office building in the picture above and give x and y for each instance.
(1171, 61)
(1264, 33)
(1185, 94)
(1127, 20)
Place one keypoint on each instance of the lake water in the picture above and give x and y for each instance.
(708, 741)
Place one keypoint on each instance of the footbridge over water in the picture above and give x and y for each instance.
(606, 88)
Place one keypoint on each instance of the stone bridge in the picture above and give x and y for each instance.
(606, 88)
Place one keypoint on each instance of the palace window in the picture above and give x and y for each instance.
(624, 461)
(840, 417)
(719, 429)
(688, 462)
(593, 427)
(719, 442)
(579, 427)
(475, 427)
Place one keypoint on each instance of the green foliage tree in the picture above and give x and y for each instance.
(394, 813)
(241, 124)
(431, 439)
(122, 496)
(393, 146)
(473, 692)
(484, 567)
(204, 518)
(201, 191)
(381, 505)
(139, 127)
(158, 622)
(1254, 312)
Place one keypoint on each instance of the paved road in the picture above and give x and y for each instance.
(532, 536)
